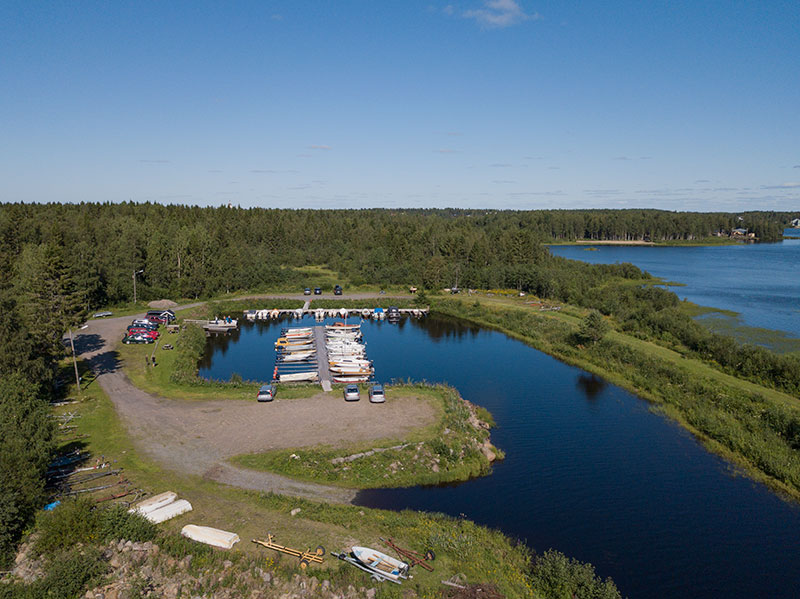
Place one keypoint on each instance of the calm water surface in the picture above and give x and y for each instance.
(589, 470)
(760, 281)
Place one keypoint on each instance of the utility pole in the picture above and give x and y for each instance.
(135, 272)
(75, 362)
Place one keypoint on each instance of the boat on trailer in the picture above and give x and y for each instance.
(379, 565)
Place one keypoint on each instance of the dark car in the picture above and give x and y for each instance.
(128, 339)
(307, 291)
(337, 290)
(317, 291)
(167, 315)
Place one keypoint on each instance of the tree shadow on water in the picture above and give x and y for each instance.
(591, 385)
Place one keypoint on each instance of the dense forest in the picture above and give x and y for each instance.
(195, 252)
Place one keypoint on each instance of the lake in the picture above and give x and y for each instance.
(760, 281)
(589, 471)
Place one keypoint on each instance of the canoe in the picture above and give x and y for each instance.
(162, 514)
(210, 536)
(362, 378)
(385, 565)
(153, 503)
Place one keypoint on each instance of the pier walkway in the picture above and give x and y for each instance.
(322, 358)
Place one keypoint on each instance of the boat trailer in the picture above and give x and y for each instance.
(374, 574)
(306, 557)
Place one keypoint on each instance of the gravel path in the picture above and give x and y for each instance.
(197, 437)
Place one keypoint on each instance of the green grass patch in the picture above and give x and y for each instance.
(448, 451)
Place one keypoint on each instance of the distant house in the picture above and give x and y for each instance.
(796, 223)
(738, 232)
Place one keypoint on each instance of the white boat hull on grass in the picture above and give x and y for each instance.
(210, 536)
(169, 511)
(153, 503)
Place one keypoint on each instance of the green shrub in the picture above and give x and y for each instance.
(556, 576)
(81, 521)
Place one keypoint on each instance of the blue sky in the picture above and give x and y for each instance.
(477, 103)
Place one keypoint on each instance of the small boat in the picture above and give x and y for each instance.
(297, 356)
(341, 326)
(210, 536)
(297, 377)
(274, 314)
(379, 565)
(153, 503)
(169, 511)
(361, 378)
(365, 313)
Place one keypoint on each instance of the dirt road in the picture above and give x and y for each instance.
(198, 437)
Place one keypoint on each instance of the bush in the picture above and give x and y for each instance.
(81, 521)
(557, 576)
(69, 574)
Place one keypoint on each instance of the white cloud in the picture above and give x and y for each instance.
(791, 185)
(319, 147)
(500, 13)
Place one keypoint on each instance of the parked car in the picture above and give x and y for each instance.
(128, 339)
(337, 290)
(167, 315)
(143, 322)
(157, 318)
(351, 393)
(376, 394)
(133, 330)
(317, 291)
(266, 393)
(101, 314)
(307, 291)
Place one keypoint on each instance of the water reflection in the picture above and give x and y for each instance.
(590, 384)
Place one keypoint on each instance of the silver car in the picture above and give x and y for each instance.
(376, 394)
(351, 393)
(266, 393)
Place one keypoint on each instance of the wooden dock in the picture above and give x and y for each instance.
(306, 310)
(322, 358)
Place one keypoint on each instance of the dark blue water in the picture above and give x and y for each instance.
(760, 281)
(589, 471)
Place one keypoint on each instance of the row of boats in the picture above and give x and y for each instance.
(347, 354)
(392, 313)
(296, 356)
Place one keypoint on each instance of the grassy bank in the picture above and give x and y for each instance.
(477, 554)
(448, 451)
(753, 426)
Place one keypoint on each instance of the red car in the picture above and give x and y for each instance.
(143, 332)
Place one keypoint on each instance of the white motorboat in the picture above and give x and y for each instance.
(295, 377)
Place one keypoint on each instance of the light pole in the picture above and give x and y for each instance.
(135, 272)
